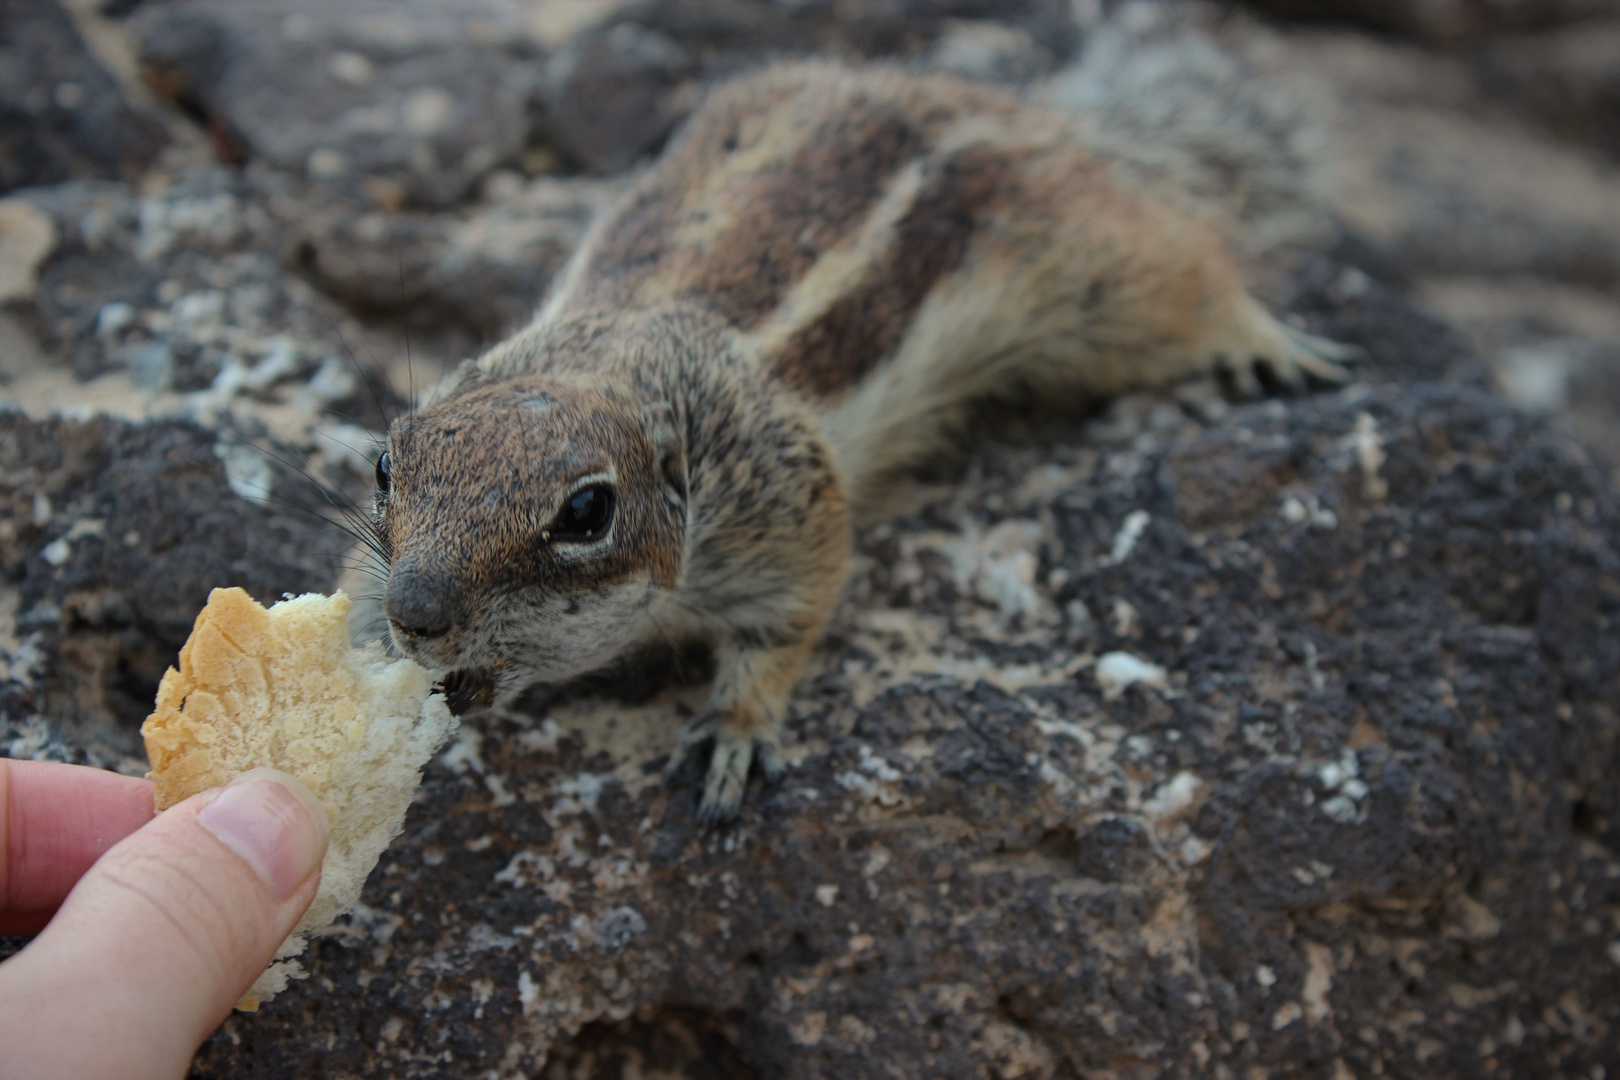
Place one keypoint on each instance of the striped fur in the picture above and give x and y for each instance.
(825, 268)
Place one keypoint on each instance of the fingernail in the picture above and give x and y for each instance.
(274, 824)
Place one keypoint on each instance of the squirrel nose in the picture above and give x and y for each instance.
(420, 603)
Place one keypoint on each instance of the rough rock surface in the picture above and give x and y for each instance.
(613, 93)
(1568, 79)
(1449, 164)
(482, 268)
(415, 102)
(1444, 20)
(1428, 167)
(61, 115)
(420, 99)
(208, 283)
(179, 289)
(113, 534)
(1272, 740)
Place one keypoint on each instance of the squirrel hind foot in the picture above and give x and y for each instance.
(1265, 354)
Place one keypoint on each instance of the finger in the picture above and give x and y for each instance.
(163, 935)
(55, 822)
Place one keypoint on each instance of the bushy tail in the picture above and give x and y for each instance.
(1165, 98)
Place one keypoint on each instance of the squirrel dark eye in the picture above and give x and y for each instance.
(585, 516)
(384, 469)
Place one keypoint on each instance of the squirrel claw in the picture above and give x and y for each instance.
(1312, 357)
(692, 735)
(769, 758)
(726, 779)
(467, 690)
(1277, 356)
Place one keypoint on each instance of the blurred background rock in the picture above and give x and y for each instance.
(427, 164)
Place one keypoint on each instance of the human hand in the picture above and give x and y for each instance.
(156, 926)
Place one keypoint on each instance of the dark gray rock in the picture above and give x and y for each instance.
(27, 736)
(482, 268)
(613, 93)
(1567, 80)
(61, 115)
(611, 97)
(1358, 822)
(1443, 20)
(413, 101)
(113, 534)
(91, 264)
(186, 290)
(413, 104)
(1457, 195)
(230, 287)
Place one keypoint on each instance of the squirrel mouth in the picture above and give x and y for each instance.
(467, 690)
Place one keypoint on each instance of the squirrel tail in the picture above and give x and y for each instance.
(1165, 99)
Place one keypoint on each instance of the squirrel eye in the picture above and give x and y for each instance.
(585, 516)
(384, 469)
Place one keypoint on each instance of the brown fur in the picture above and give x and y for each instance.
(825, 268)
(863, 326)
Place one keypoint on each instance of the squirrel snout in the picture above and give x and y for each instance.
(420, 604)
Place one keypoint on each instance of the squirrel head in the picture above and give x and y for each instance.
(528, 522)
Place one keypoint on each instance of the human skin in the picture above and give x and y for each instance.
(149, 928)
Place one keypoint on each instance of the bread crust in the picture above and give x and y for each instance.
(221, 675)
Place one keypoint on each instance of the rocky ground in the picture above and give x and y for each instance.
(1197, 738)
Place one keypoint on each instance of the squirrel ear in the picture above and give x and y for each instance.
(659, 423)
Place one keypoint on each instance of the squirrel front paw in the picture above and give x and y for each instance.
(733, 755)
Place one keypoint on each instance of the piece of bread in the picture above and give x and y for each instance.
(283, 688)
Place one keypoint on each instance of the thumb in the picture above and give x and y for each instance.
(164, 933)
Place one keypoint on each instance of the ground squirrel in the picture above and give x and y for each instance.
(823, 270)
